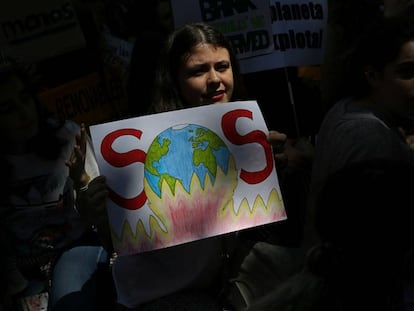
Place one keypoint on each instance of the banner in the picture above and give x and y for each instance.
(246, 24)
(32, 31)
(297, 33)
(185, 175)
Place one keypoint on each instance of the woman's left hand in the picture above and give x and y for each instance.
(76, 163)
(278, 141)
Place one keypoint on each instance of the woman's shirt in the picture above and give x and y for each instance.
(352, 133)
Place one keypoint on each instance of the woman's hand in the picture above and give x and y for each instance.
(295, 154)
(278, 141)
(90, 195)
(76, 163)
(300, 153)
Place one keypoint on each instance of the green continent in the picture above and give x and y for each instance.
(206, 156)
(157, 152)
(171, 181)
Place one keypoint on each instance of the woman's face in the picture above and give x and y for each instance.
(206, 76)
(396, 85)
(18, 113)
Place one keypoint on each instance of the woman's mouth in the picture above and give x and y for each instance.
(217, 96)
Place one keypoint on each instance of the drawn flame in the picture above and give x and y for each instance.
(200, 214)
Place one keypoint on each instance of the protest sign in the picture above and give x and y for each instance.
(297, 32)
(299, 35)
(246, 24)
(32, 31)
(185, 175)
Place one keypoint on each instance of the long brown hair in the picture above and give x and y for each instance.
(166, 92)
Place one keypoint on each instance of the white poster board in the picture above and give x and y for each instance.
(298, 28)
(185, 175)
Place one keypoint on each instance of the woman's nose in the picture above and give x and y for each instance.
(213, 76)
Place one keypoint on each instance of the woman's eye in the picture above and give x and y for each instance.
(222, 67)
(197, 72)
(405, 71)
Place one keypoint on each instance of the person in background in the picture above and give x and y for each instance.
(346, 20)
(379, 101)
(47, 239)
(363, 220)
(370, 121)
(197, 67)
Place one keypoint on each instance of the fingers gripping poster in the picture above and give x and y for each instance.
(185, 175)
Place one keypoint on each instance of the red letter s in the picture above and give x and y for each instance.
(123, 159)
(228, 124)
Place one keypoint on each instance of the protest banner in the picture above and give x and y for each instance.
(185, 175)
(246, 24)
(297, 33)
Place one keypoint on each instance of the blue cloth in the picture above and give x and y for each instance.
(75, 279)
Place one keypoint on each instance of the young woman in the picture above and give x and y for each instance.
(197, 67)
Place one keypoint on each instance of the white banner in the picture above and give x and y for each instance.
(298, 29)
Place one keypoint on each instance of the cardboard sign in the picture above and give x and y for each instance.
(185, 175)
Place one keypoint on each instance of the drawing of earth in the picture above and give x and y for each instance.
(189, 170)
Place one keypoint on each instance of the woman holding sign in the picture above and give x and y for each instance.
(197, 67)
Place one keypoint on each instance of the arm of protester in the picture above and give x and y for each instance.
(295, 154)
(300, 153)
(76, 163)
(90, 194)
(278, 140)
